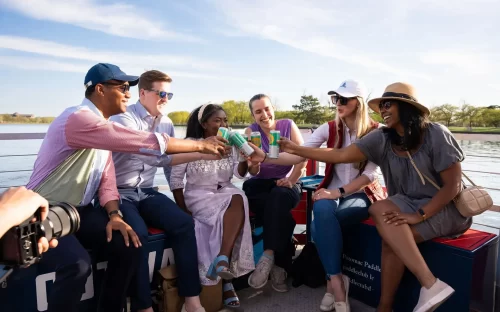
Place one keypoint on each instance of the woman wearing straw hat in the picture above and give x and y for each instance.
(415, 210)
(346, 192)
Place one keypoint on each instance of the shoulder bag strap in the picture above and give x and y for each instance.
(422, 176)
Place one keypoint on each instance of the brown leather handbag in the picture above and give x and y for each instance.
(471, 201)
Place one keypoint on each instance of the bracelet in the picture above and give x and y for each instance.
(265, 157)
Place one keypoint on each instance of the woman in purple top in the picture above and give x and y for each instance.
(272, 192)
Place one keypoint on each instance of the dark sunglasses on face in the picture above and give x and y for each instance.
(385, 104)
(122, 87)
(340, 101)
(162, 94)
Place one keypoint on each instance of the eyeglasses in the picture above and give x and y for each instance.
(122, 87)
(340, 101)
(162, 94)
(385, 104)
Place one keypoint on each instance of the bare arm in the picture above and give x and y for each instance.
(299, 168)
(179, 199)
(357, 184)
(177, 185)
(452, 182)
(253, 167)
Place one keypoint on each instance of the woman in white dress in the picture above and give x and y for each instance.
(219, 209)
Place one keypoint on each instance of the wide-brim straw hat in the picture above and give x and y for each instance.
(402, 92)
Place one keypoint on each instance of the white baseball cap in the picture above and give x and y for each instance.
(351, 88)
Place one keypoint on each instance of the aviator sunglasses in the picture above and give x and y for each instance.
(162, 94)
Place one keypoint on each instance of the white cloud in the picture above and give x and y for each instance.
(122, 20)
(312, 26)
(55, 49)
(47, 64)
(475, 63)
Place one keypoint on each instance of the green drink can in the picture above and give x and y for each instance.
(223, 132)
(274, 148)
(237, 140)
(256, 139)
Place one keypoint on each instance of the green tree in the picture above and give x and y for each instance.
(237, 112)
(284, 115)
(376, 116)
(491, 117)
(309, 110)
(468, 114)
(179, 118)
(444, 114)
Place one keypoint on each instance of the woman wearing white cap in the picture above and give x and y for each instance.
(346, 192)
(407, 150)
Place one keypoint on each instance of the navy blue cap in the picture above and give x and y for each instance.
(103, 72)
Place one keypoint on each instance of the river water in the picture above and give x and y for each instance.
(481, 164)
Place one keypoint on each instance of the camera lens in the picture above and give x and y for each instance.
(63, 219)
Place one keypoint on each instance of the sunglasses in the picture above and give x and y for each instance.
(162, 94)
(385, 104)
(340, 101)
(122, 87)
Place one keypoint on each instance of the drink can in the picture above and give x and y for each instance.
(255, 139)
(237, 140)
(241, 158)
(223, 132)
(274, 148)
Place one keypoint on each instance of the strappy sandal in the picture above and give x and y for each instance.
(222, 271)
(228, 302)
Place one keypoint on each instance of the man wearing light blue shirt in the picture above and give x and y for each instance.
(141, 205)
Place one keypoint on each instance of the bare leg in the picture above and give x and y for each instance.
(400, 239)
(192, 303)
(234, 217)
(392, 272)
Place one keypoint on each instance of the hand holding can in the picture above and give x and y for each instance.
(237, 140)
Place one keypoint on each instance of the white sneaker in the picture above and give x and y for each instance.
(433, 297)
(327, 303)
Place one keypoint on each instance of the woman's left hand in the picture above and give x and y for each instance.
(326, 194)
(398, 218)
(285, 182)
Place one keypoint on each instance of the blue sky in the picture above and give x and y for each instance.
(218, 50)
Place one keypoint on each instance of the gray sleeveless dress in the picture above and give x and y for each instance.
(438, 152)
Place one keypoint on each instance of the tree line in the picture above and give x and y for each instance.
(8, 118)
(309, 111)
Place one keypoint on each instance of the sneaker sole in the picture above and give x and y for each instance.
(279, 290)
(437, 300)
(256, 287)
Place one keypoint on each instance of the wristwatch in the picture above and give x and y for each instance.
(342, 192)
(117, 211)
(422, 213)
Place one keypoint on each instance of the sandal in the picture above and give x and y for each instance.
(231, 302)
(222, 270)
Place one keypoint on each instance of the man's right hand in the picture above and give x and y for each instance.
(117, 224)
(215, 145)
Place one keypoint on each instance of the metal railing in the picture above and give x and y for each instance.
(40, 136)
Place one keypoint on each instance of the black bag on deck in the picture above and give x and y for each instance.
(307, 269)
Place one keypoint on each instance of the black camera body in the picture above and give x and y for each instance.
(19, 245)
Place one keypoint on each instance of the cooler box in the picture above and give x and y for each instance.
(467, 263)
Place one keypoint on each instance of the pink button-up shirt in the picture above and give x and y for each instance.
(84, 127)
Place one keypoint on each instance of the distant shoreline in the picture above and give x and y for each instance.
(305, 126)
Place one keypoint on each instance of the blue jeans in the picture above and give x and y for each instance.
(145, 206)
(329, 217)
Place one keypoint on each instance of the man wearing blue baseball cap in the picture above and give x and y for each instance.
(75, 165)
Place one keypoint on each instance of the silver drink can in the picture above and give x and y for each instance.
(274, 148)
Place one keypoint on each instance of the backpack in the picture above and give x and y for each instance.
(307, 269)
